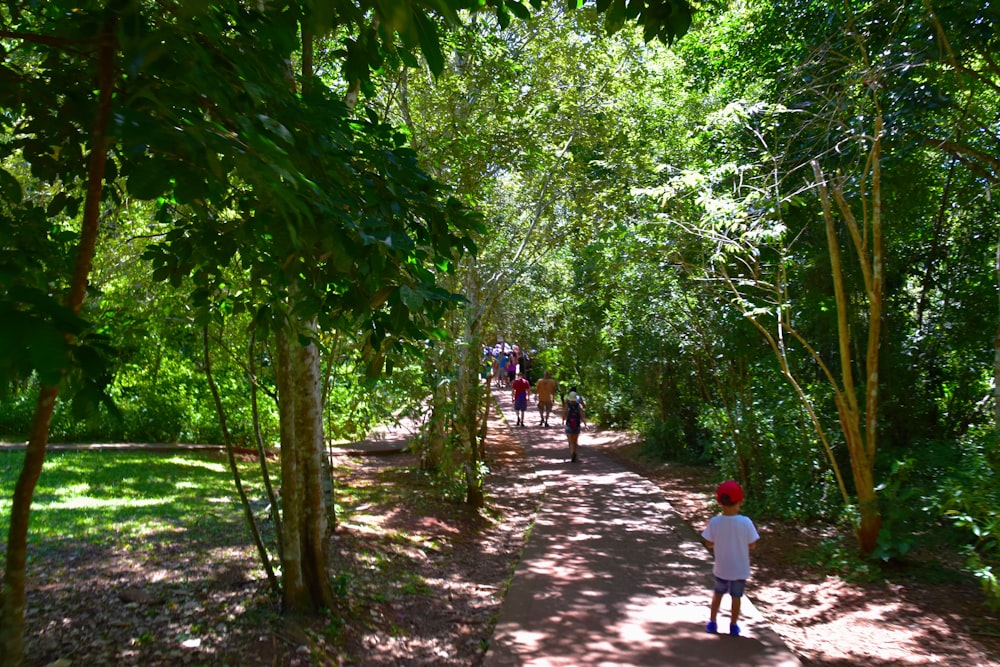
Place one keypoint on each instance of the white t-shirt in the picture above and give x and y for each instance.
(732, 536)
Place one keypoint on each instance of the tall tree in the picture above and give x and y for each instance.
(193, 107)
(102, 48)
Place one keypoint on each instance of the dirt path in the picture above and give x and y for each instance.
(612, 575)
(423, 580)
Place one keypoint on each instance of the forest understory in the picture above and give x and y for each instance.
(422, 581)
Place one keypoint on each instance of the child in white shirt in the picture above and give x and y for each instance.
(731, 536)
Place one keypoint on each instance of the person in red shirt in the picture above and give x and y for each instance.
(520, 389)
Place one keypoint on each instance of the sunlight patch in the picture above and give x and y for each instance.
(87, 502)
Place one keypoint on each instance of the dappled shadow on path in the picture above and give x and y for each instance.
(611, 575)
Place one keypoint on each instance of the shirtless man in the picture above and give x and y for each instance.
(546, 392)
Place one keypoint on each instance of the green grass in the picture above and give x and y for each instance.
(131, 498)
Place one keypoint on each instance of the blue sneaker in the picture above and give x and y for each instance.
(712, 627)
(734, 630)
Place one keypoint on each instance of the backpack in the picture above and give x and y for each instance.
(573, 415)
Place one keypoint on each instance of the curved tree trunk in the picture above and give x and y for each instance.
(12, 594)
(265, 472)
(265, 558)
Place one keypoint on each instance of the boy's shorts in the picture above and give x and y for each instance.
(734, 588)
(521, 403)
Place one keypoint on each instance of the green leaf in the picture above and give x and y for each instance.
(519, 10)
(57, 205)
(191, 187)
(47, 349)
(149, 179)
(411, 297)
(615, 17)
(503, 18)
(678, 23)
(430, 45)
(407, 57)
(10, 187)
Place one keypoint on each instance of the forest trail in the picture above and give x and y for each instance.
(611, 575)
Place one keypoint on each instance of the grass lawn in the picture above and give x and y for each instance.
(111, 498)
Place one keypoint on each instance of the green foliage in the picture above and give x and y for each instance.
(355, 406)
(970, 498)
(840, 557)
(901, 504)
(451, 485)
(15, 413)
(547, 359)
(665, 441)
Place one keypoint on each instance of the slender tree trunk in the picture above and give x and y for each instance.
(871, 514)
(265, 558)
(996, 355)
(261, 447)
(15, 574)
(327, 479)
(485, 423)
(305, 527)
(470, 394)
(860, 440)
(12, 594)
(434, 448)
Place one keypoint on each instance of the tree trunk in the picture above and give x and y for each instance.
(470, 391)
(996, 356)
(861, 442)
(12, 594)
(265, 558)
(484, 425)
(305, 527)
(15, 574)
(434, 447)
(261, 446)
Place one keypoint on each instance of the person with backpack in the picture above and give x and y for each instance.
(573, 420)
(502, 364)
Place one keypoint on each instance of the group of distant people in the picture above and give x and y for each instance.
(509, 367)
(504, 362)
(545, 393)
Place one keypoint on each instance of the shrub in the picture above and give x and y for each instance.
(970, 497)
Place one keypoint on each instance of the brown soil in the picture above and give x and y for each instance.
(422, 581)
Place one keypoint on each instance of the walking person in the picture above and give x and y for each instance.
(732, 537)
(520, 389)
(545, 391)
(573, 420)
(495, 370)
(502, 372)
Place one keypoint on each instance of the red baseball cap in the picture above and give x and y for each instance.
(729, 493)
